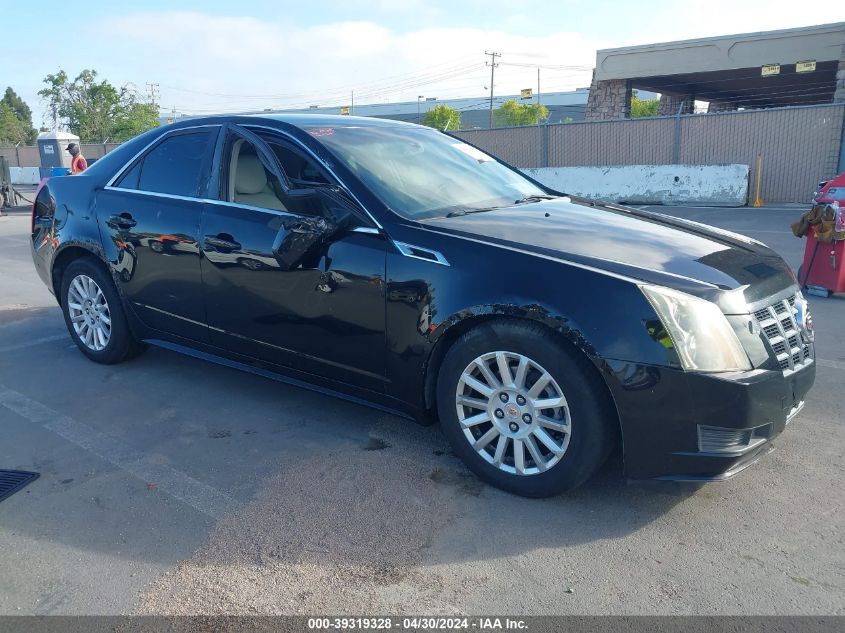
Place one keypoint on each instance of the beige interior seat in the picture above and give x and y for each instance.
(250, 184)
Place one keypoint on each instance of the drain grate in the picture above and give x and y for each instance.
(13, 480)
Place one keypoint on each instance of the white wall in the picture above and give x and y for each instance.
(706, 185)
(24, 175)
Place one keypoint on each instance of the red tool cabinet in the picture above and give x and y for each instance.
(824, 264)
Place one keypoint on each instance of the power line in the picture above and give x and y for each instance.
(384, 84)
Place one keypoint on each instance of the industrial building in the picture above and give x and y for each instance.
(475, 111)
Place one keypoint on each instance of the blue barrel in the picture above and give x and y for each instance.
(59, 171)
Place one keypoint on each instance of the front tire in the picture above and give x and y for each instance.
(94, 314)
(526, 413)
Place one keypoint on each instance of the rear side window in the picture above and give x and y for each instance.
(174, 166)
(130, 178)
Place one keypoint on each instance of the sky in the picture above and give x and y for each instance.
(212, 56)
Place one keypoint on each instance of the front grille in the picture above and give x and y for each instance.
(781, 330)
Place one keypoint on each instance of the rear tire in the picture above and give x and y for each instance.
(551, 406)
(94, 314)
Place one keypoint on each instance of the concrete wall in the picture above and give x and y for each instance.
(24, 175)
(707, 185)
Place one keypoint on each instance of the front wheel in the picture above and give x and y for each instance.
(94, 314)
(526, 413)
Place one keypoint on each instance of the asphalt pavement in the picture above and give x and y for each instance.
(170, 485)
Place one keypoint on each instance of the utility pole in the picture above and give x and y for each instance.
(152, 89)
(352, 108)
(492, 63)
(419, 98)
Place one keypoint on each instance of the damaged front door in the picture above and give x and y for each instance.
(289, 275)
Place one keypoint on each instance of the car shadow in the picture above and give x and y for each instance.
(304, 468)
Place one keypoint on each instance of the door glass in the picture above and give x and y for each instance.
(300, 170)
(248, 180)
(174, 166)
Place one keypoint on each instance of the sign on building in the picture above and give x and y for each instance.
(807, 66)
(770, 69)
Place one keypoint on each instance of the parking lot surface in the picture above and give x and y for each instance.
(173, 486)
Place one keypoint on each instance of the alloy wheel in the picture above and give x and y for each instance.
(513, 413)
(89, 312)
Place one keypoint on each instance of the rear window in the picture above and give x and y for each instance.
(174, 166)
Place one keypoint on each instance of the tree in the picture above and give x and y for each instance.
(443, 117)
(15, 120)
(641, 108)
(512, 113)
(96, 111)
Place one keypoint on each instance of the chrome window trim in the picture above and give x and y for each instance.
(156, 194)
(120, 172)
(369, 230)
(249, 207)
(319, 160)
(407, 250)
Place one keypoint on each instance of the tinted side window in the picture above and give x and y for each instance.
(174, 166)
(130, 178)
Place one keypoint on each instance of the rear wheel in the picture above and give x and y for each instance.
(94, 314)
(525, 413)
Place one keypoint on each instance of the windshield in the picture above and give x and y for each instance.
(421, 173)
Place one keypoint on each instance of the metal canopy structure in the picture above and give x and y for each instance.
(752, 70)
(748, 88)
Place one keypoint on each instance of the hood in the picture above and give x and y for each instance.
(646, 246)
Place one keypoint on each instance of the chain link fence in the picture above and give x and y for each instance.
(27, 155)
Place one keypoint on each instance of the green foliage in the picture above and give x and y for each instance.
(97, 111)
(512, 113)
(15, 120)
(643, 108)
(443, 117)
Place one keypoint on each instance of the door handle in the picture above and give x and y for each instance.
(122, 221)
(222, 242)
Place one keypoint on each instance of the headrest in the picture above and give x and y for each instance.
(250, 176)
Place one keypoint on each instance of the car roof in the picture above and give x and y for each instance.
(296, 120)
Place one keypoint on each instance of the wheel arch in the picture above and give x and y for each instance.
(563, 329)
(65, 258)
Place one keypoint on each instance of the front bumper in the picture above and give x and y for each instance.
(688, 426)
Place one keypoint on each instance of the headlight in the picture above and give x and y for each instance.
(700, 333)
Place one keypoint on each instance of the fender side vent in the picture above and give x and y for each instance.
(419, 252)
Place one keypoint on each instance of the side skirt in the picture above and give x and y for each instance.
(279, 377)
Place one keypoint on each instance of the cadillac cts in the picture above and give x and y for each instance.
(397, 266)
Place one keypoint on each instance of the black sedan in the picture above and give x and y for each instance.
(400, 267)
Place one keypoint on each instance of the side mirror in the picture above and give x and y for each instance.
(303, 235)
